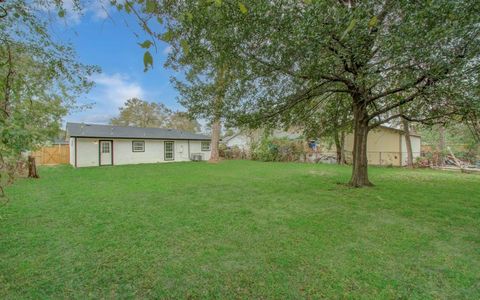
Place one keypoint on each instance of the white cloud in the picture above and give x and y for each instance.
(167, 50)
(115, 89)
(98, 9)
(108, 95)
(91, 118)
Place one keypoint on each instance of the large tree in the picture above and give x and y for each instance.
(40, 80)
(196, 34)
(183, 121)
(381, 54)
(141, 113)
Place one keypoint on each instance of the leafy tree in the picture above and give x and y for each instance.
(40, 80)
(381, 54)
(140, 113)
(196, 34)
(182, 121)
(327, 120)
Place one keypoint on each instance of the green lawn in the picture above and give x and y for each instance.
(240, 229)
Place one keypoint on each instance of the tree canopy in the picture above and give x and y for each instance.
(382, 55)
(141, 113)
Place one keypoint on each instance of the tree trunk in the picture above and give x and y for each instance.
(338, 147)
(342, 148)
(32, 167)
(360, 162)
(441, 146)
(217, 114)
(216, 128)
(408, 142)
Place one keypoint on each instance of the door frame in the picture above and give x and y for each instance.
(100, 152)
(165, 152)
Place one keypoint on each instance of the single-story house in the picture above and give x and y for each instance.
(100, 145)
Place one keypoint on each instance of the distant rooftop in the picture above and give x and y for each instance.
(113, 131)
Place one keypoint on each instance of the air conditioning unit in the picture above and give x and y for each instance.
(196, 156)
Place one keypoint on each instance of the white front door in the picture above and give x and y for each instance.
(106, 153)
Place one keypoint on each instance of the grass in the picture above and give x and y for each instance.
(240, 229)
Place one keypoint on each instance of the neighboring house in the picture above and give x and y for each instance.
(244, 139)
(386, 146)
(99, 145)
(240, 140)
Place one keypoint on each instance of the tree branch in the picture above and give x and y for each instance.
(398, 89)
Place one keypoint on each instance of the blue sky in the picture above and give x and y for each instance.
(101, 37)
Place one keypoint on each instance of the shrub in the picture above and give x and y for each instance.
(272, 149)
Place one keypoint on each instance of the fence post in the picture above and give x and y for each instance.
(380, 155)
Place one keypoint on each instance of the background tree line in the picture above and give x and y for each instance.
(140, 113)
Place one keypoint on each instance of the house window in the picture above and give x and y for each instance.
(205, 146)
(169, 155)
(138, 146)
(105, 147)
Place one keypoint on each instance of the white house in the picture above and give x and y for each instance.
(100, 145)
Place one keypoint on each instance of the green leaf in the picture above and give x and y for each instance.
(151, 6)
(373, 22)
(242, 7)
(167, 36)
(185, 46)
(147, 60)
(350, 27)
(61, 13)
(218, 3)
(146, 44)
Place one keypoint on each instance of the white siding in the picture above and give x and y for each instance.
(87, 155)
(240, 140)
(122, 151)
(123, 154)
(72, 151)
(196, 147)
(415, 140)
(181, 151)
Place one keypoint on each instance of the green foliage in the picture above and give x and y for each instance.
(265, 150)
(141, 113)
(40, 80)
(277, 149)
(278, 57)
(147, 60)
(457, 136)
(183, 121)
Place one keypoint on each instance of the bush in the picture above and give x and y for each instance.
(272, 149)
(232, 153)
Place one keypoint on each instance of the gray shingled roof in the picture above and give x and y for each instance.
(112, 131)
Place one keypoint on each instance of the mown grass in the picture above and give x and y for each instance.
(240, 229)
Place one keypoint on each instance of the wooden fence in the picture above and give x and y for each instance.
(52, 155)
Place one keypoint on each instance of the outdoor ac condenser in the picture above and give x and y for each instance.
(196, 157)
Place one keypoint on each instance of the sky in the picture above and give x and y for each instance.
(101, 37)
